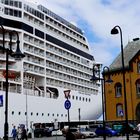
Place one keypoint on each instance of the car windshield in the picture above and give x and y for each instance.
(73, 129)
(84, 129)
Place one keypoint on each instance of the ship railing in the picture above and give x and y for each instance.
(40, 92)
(50, 94)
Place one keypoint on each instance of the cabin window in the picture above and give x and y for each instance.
(118, 90)
(12, 112)
(138, 87)
(138, 66)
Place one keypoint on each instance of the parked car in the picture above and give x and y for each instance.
(75, 131)
(100, 131)
(57, 132)
(47, 132)
(41, 132)
(87, 132)
(131, 129)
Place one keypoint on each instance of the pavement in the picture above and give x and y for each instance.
(134, 137)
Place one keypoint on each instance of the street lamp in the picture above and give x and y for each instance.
(96, 77)
(79, 112)
(17, 55)
(115, 31)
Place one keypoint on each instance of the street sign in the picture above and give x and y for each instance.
(121, 113)
(67, 104)
(67, 93)
(1, 100)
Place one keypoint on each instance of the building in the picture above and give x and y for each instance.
(114, 93)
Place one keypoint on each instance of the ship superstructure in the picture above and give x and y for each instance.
(57, 59)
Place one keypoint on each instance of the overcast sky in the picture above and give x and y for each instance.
(96, 18)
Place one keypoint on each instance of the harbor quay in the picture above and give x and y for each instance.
(134, 137)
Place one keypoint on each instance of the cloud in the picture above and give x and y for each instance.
(99, 17)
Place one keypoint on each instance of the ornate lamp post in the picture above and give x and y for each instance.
(96, 77)
(17, 55)
(114, 31)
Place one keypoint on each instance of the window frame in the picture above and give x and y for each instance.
(137, 83)
(118, 90)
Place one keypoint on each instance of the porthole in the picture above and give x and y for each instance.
(89, 100)
(19, 113)
(12, 112)
(31, 113)
(73, 97)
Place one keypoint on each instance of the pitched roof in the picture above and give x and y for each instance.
(130, 51)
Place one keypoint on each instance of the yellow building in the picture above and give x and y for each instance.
(114, 93)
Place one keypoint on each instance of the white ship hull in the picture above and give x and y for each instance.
(32, 104)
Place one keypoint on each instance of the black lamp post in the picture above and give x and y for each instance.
(115, 31)
(17, 55)
(79, 112)
(96, 77)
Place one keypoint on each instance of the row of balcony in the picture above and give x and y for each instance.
(33, 68)
(30, 18)
(64, 29)
(69, 78)
(59, 35)
(72, 86)
(61, 52)
(66, 62)
(38, 43)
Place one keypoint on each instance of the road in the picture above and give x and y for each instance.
(99, 138)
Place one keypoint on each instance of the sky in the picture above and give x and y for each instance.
(96, 18)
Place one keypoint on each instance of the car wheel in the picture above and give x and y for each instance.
(109, 135)
(83, 137)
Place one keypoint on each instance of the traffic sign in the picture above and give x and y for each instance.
(121, 113)
(1, 100)
(67, 93)
(67, 104)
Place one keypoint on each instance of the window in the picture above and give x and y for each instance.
(138, 86)
(118, 90)
(138, 66)
(119, 110)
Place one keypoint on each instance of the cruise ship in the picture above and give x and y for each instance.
(57, 63)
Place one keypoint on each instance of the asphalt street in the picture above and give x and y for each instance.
(98, 138)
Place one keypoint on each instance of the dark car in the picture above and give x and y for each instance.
(131, 129)
(41, 132)
(100, 131)
(75, 132)
(47, 132)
